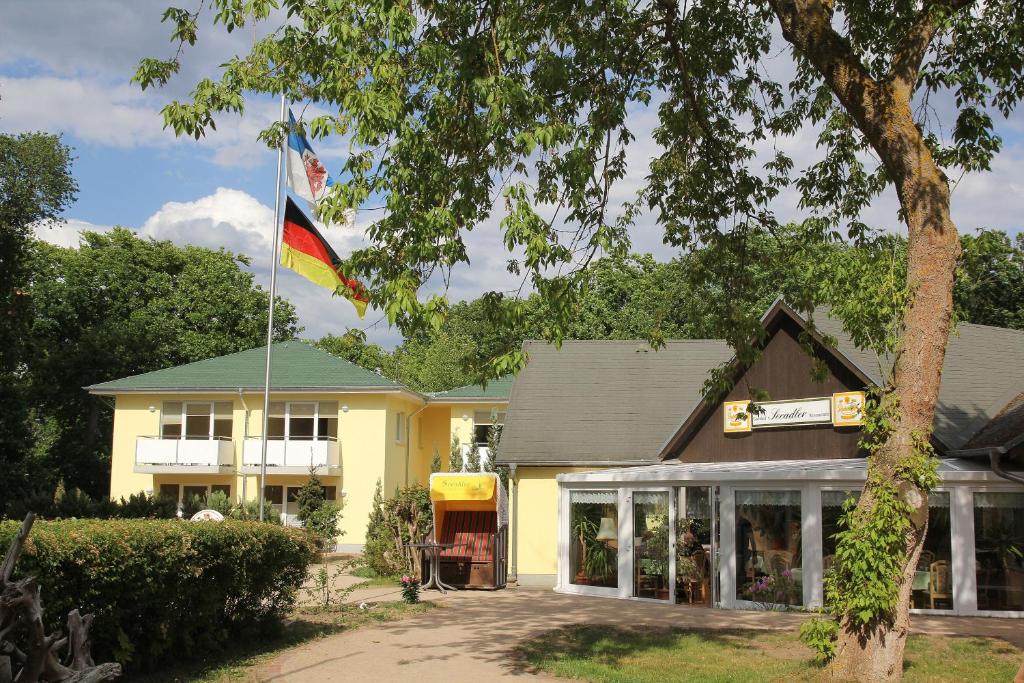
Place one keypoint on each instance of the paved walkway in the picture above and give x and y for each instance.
(472, 635)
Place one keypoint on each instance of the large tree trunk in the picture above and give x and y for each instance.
(882, 111)
(876, 654)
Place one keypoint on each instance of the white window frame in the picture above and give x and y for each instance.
(967, 599)
(316, 421)
(489, 423)
(211, 406)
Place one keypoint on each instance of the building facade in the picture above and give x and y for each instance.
(638, 486)
(196, 428)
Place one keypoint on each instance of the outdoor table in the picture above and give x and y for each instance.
(434, 552)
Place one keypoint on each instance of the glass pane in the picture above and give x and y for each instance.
(650, 545)
(693, 546)
(293, 493)
(274, 494)
(222, 410)
(831, 511)
(300, 428)
(197, 426)
(768, 560)
(277, 409)
(197, 409)
(223, 488)
(169, 491)
(275, 428)
(330, 492)
(170, 421)
(933, 580)
(480, 433)
(222, 428)
(303, 409)
(594, 529)
(327, 428)
(999, 550)
(197, 491)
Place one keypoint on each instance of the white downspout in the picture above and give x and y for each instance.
(408, 439)
(245, 436)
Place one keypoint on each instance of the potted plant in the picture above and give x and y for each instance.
(584, 531)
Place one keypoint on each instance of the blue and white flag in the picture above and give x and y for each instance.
(307, 177)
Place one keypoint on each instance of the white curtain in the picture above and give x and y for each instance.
(602, 497)
(768, 498)
(999, 500)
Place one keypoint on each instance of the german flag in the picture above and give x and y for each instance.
(304, 250)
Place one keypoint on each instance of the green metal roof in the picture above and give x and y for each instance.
(295, 365)
(496, 390)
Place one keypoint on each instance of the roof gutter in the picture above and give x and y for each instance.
(995, 456)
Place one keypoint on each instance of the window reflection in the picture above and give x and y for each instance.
(933, 579)
(594, 524)
(999, 550)
(768, 559)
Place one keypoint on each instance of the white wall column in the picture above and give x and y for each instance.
(727, 547)
(625, 554)
(965, 580)
(811, 542)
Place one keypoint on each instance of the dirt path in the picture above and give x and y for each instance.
(472, 635)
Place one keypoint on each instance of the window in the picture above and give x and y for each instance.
(399, 427)
(327, 420)
(831, 511)
(768, 560)
(170, 422)
(303, 420)
(483, 420)
(933, 579)
(330, 493)
(999, 550)
(274, 494)
(196, 420)
(170, 491)
(190, 492)
(222, 488)
(594, 538)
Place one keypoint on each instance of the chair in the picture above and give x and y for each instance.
(926, 559)
(940, 582)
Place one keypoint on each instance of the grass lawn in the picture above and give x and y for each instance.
(306, 624)
(373, 579)
(606, 655)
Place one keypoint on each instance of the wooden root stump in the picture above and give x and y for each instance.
(21, 622)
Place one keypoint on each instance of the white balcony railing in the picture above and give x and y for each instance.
(293, 453)
(152, 450)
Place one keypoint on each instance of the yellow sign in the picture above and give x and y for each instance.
(848, 409)
(461, 487)
(737, 416)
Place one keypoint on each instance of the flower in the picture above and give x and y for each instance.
(406, 579)
(788, 573)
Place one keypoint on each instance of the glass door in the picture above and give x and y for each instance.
(652, 545)
(696, 546)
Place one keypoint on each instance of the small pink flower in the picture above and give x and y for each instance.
(788, 573)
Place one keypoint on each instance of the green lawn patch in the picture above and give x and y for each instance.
(607, 655)
(306, 624)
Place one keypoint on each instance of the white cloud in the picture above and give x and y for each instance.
(121, 116)
(67, 233)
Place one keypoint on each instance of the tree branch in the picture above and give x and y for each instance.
(910, 52)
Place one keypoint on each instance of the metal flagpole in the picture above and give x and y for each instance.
(270, 319)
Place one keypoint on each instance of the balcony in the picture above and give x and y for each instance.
(154, 455)
(293, 456)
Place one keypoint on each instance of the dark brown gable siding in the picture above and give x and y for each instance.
(784, 371)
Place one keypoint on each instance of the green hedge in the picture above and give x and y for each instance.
(164, 589)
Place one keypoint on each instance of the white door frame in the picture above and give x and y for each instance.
(627, 557)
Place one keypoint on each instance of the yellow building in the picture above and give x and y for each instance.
(196, 428)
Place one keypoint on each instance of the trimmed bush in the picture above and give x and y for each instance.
(163, 590)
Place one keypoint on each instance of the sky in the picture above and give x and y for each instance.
(72, 77)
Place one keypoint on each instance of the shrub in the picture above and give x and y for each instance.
(249, 510)
(163, 590)
(410, 589)
(820, 635)
(146, 506)
(404, 518)
(318, 515)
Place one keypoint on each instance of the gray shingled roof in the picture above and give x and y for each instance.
(1007, 426)
(603, 401)
(615, 402)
